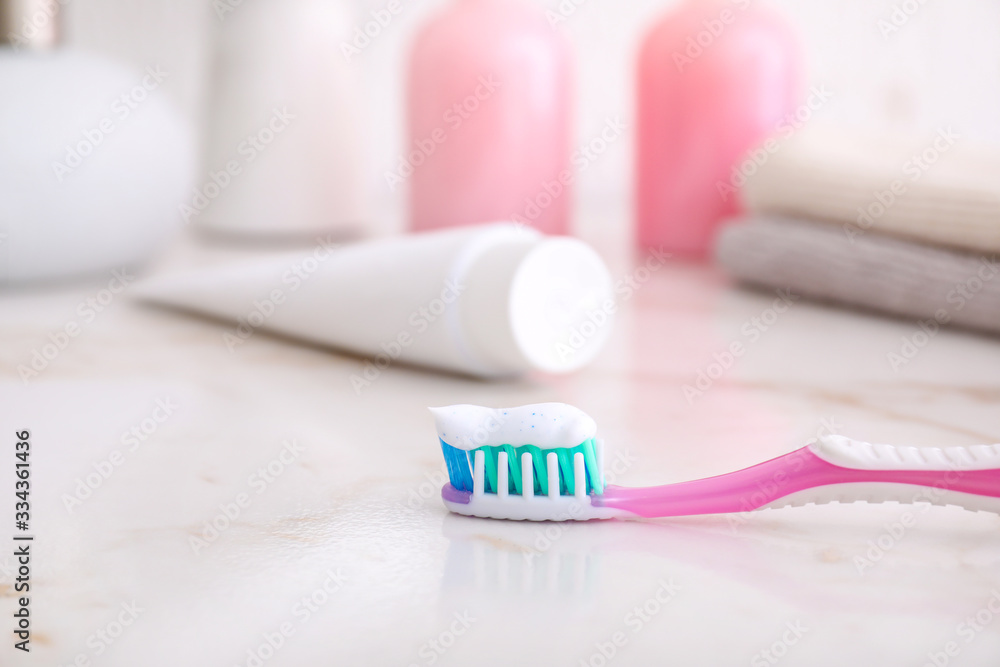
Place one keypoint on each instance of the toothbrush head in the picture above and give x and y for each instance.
(536, 462)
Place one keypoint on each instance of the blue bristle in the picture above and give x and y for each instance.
(459, 470)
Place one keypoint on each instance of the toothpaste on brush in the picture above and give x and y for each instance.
(513, 454)
(546, 425)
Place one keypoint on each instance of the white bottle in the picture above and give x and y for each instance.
(285, 140)
(94, 161)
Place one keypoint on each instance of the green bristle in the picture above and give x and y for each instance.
(595, 475)
(514, 466)
(567, 477)
(538, 463)
(490, 467)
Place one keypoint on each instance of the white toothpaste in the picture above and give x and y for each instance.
(491, 300)
(545, 425)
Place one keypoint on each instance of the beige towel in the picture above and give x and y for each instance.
(899, 277)
(937, 189)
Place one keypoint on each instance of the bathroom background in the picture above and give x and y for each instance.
(940, 66)
(204, 493)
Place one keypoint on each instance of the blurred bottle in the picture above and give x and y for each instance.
(93, 160)
(285, 154)
(489, 119)
(138, 33)
(715, 78)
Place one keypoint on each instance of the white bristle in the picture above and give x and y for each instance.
(527, 476)
(579, 475)
(502, 473)
(552, 467)
(479, 473)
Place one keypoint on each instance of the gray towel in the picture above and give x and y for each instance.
(892, 275)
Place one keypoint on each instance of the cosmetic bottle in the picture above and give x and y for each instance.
(715, 79)
(94, 161)
(489, 123)
(286, 136)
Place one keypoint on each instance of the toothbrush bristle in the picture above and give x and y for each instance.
(526, 470)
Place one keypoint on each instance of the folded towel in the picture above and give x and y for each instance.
(936, 189)
(900, 277)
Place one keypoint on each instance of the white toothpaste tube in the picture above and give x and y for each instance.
(486, 300)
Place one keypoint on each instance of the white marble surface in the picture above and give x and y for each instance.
(360, 500)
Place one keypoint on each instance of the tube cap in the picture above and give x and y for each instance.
(535, 302)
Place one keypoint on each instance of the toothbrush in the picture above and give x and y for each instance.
(543, 463)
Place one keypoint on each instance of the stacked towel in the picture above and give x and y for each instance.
(873, 271)
(910, 228)
(933, 189)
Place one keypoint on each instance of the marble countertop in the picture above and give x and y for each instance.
(197, 505)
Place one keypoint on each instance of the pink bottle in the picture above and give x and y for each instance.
(715, 79)
(489, 119)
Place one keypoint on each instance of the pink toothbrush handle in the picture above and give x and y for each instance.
(834, 469)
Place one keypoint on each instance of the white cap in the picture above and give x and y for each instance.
(533, 302)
